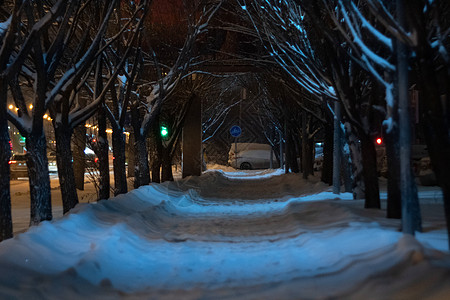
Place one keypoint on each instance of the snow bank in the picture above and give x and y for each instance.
(231, 235)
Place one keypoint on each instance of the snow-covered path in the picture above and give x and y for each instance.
(255, 235)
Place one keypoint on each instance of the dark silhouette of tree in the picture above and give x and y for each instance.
(145, 110)
(9, 26)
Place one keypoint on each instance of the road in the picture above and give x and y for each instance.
(20, 200)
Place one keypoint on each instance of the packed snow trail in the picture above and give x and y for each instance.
(225, 235)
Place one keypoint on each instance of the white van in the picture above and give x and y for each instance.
(247, 156)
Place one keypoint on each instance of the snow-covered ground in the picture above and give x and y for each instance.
(229, 235)
(20, 200)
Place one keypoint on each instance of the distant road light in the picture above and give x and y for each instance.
(379, 141)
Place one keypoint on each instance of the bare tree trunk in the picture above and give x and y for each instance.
(287, 149)
(310, 155)
(142, 172)
(79, 157)
(312, 151)
(435, 111)
(357, 165)
(37, 163)
(155, 151)
(337, 149)
(103, 156)
(6, 230)
(141, 169)
(271, 158)
(327, 166)
(307, 155)
(411, 219)
(192, 139)
(394, 203)
(369, 159)
(166, 174)
(346, 165)
(438, 143)
(291, 153)
(131, 155)
(65, 167)
(281, 149)
(293, 150)
(120, 176)
(304, 147)
(155, 166)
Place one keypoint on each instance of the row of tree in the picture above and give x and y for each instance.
(77, 59)
(358, 55)
(331, 61)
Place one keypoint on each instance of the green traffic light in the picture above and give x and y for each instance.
(164, 131)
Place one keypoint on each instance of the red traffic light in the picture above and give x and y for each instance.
(379, 141)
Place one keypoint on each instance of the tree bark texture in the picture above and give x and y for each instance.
(369, 159)
(103, 156)
(394, 203)
(327, 165)
(37, 163)
(358, 187)
(434, 103)
(192, 139)
(281, 149)
(306, 149)
(337, 149)
(287, 149)
(166, 174)
(438, 144)
(131, 155)
(142, 172)
(155, 151)
(6, 230)
(79, 145)
(291, 153)
(307, 156)
(435, 124)
(65, 167)
(411, 219)
(79, 157)
(346, 165)
(141, 167)
(120, 175)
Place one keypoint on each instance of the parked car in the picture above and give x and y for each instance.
(91, 161)
(52, 167)
(247, 156)
(419, 159)
(18, 166)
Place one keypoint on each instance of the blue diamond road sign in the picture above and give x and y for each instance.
(235, 131)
